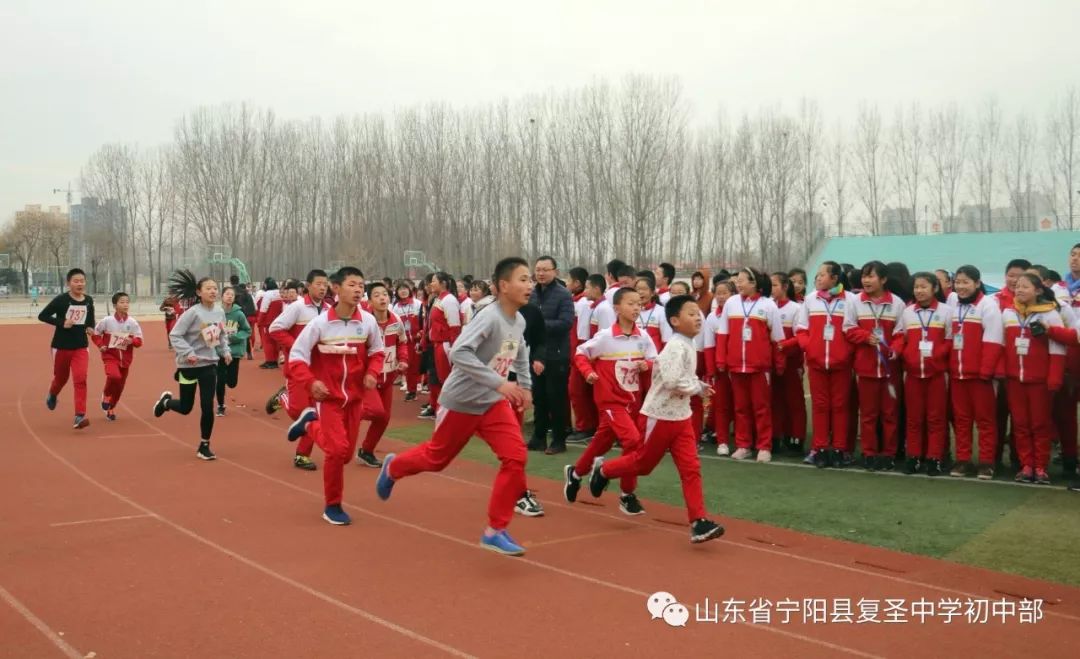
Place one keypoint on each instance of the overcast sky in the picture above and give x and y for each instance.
(75, 74)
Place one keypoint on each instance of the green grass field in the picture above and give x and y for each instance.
(1021, 529)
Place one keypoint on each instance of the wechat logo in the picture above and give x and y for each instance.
(664, 605)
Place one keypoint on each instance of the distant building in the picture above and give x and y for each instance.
(87, 217)
(34, 209)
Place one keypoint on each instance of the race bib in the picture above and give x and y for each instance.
(335, 349)
(390, 362)
(119, 340)
(504, 359)
(926, 348)
(1022, 345)
(828, 332)
(211, 335)
(627, 375)
(76, 314)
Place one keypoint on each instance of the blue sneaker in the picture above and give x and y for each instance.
(50, 402)
(299, 427)
(384, 485)
(502, 543)
(336, 516)
(81, 422)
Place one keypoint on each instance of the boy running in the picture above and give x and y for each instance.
(378, 401)
(72, 314)
(478, 399)
(116, 336)
(666, 418)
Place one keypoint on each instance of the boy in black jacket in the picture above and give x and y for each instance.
(72, 316)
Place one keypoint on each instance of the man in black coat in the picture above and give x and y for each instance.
(551, 376)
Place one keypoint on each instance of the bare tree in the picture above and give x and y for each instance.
(54, 239)
(839, 171)
(1019, 147)
(811, 171)
(906, 146)
(1063, 149)
(869, 161)
(947, 149)
(24, 238)
(984, 153)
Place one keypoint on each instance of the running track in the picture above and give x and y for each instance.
(115, 541)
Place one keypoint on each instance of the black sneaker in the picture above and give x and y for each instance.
(273, 404)
(411, 396)
(911, 466)
(628, 503)
(427, 412)
(703, 530)
(582, 437)
(821, 458)
(870, 462)
(220, 410)
(304, 462)
(204, 452)
(160, 405)
(839, 459)
(537, 444)
(556, 448)
(885, 463)
(571, 484)
(368, 459)
(933, 467)
(1074, 485)
(528, 506)
(598, 482)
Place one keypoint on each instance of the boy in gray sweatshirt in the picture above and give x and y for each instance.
(477, 399)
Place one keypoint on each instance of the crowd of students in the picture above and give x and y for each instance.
(893, 361)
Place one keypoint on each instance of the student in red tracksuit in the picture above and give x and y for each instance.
(1013, 270)
(283, 332)
(407, 309)
(444, 328)
(581, 402)
(337, 358)
(1035, 367)
(651, 321)
(924, 340)
(591, 314)
(270, 307)
(72, 316)
(613, 361)
(665, 421)
(722, 403)
(829, 360)
(976, 350)
(788, 398)
(747, 333)
(116, 337)
(878, 314)
(479, 400)
(379, 401)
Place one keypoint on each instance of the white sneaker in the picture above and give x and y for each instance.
(741, 454)
(764, 456)
(722, 450)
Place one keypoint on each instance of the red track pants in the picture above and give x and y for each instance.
(927, 429)
(1029, 405)
(879, 399)
(660, 437)
(270, 346)
(789, 404)
(615, 422)
(73, 364)
(335, 432)
(830, 393)
(499, 428)
(377, 404)
(115, 378)
(442, 372)
(723, 407)
(752, 413)
(973, 405)
(1065, 417)
(581, 402)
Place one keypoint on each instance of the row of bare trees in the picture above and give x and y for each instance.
(585, 175)
(36, 239)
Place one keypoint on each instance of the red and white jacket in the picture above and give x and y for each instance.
(789, 316)
(339, 352)
(396, 348)
(408, 311)
(270, 307)
(653, 321)
(869, 317)
(119, 335)
(705, 343)
(818, 311)
(600, 316)
(1044, 361)
(285, 328)
(614, 357)
(445, 323)
(746, 335)
(918, 325)
(581, 307)
(978, 335)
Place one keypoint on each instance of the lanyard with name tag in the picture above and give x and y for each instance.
(926, 346)
(747, 333)
(829, 331)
